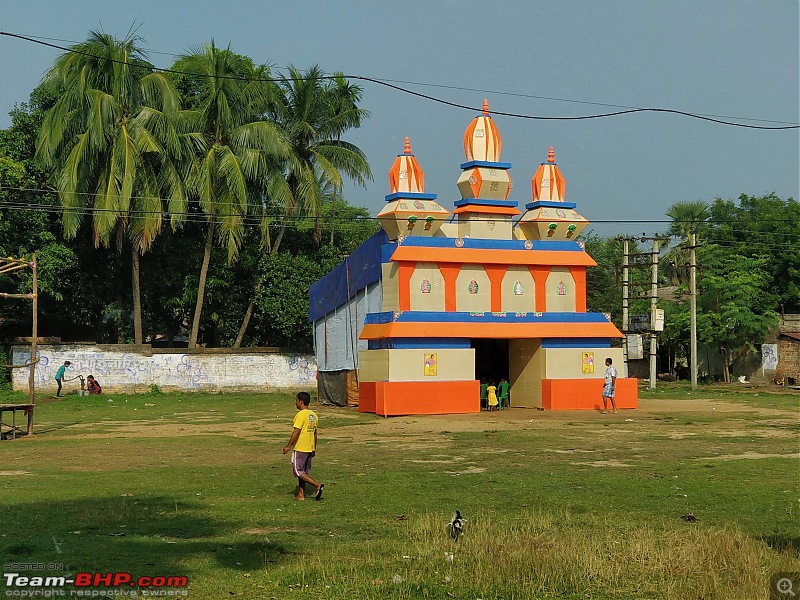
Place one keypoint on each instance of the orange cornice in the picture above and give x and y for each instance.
(478, 256)
(510, 330)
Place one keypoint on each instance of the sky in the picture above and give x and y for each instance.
(734, 59)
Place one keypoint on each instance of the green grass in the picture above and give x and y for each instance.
(570, 505)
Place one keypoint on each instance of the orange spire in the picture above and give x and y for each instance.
(406, 175)
(548, 183)
(482, 140)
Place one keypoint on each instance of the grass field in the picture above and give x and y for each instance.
(568, 505)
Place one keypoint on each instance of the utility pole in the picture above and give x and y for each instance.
(693, 306)
(625, 297)
(653, 306)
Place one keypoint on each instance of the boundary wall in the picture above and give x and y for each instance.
(126, 368)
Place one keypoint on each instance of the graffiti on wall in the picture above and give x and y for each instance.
(126, 371)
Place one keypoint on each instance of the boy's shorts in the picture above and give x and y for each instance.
(301, 463)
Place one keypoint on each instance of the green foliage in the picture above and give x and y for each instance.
(765, 227)
(154, 389)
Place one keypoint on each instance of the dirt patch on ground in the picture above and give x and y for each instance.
(603, 463)
(751, 456)
(415, 432)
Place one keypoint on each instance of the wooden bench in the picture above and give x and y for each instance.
(9, 431)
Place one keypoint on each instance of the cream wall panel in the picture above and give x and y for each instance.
(526, 367)
(391, 289)
(480, 302)
(522, 303)
(451, 364)
(434, 299)
(555, 301)
(567, 363)
(485, 226)
(373, 365)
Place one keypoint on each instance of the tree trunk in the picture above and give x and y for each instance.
(726, 374)
(251, 305)
(284, 225)
(137, 298)
(201, 287)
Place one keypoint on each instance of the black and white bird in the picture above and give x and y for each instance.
(456, 525)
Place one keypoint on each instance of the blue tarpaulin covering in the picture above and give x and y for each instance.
(353, 274)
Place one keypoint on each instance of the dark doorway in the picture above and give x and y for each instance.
(491, 359)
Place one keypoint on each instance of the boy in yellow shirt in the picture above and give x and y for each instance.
(303, 445)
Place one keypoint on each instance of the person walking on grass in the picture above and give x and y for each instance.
(608, 388)
(303, 445)
(60, 376)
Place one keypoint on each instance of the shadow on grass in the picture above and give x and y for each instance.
(130, 534)
(782, 542)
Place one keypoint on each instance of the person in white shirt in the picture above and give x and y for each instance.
(608, 388)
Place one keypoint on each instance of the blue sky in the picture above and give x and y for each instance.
(731, 58)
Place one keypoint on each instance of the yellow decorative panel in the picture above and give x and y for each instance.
(560, 290)
(427, 288)
(571, 363)
(473, 290)
(373, 365)
(451, 364)
(519, 290)
(391, 289)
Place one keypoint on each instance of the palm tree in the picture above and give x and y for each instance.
(314, 111)
(686, 217)
(236, 152)
(110, 145)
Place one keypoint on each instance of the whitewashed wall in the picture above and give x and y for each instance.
(131, 369)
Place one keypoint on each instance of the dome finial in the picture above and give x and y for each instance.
(551, 155)
(486, 106)
(407, 146)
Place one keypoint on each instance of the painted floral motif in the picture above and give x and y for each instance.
(403, 174)
(561, 290)
(425, 286)
(499, 314)
(582, 245)
(473, 287)
(561, 213)
(537, 314)
(459, 242)
(403, 206)
(419, 205)
(518, 288)
(472, 180)
(521, 314)
(476, 314)
(490, 224)
(528, 244)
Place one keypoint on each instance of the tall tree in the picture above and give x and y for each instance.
(735, 309)
(686, 217)
(314, 111)
(105, 140)
(236, 151)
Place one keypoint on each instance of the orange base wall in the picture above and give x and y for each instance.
(585, 394)
(394, 398)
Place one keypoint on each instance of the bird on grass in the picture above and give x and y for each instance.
(456, 525)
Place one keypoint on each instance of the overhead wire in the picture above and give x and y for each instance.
(389, 84)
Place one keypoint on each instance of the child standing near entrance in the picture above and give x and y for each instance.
(491, 396)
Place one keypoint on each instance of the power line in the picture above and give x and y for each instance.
(259, 212)
(388, 83)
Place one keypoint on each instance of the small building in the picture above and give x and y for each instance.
(439, 301)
